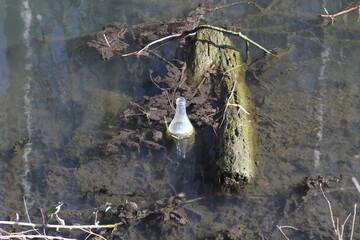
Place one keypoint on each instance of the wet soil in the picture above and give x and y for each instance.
(142, 126)
(144, 123)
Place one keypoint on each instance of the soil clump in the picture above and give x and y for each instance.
(143, 124)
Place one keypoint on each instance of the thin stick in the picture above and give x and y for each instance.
(25, 224)
(159, 40)
(107, 42)
(228, 101)
(239, 34)
(353, 222)
(18, 233)
(92, 233)
(357, 185)
(26, 210)
(43, 220)
(332, 16)
(22, 236)
(232, 104)
(152, 43)
(343, 226)
(331, 212)
(283, 233)
(190, 33)
(27, 214)
(228, 5)
(239, 106)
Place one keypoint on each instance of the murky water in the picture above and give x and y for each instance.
(61, 96)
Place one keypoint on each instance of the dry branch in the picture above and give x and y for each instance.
(38, 225)
(333, 16)
(283, 233)
(186, 34)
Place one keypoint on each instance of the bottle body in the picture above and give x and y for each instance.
(181, 127)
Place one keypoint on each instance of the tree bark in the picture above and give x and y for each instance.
(237, 137)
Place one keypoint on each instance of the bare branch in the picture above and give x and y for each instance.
(353, 222)
(330, 209)
(332, 16)
(283, 233)
(357, 185)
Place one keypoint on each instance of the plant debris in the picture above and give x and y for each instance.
(117, 37)
(129, 211)
(314, 182)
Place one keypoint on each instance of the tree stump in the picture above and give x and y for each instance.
(237, 137)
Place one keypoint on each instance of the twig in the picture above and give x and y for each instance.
(43, 220)
(282, 232)
(18, 233)
(27, 214)
(159, 40)
(343, 227)
(357, 185)
(141, 109)
(26, 210)
(332, 16)
(193, 200)
(144, 48)
(353, 222)
(239, 106)
(228, 5)
(232, 104)
(328, 14)
(23, 236)
(189, 33)
(152, 43)
(239, 34)
(25, 224)
(258, 7)
(227, 103)
(107, 42)
(330, 209)
(92, 233)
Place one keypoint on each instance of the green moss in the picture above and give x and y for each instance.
(237, 137)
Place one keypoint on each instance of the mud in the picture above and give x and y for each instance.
(122, 37)
(150, 116)
(144, 123)
(142, 126)
(285, 138)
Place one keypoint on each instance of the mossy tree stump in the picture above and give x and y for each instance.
(237, 138)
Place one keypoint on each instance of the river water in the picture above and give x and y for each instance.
(59, 98)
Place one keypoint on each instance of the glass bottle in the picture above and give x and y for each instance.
(181, 127)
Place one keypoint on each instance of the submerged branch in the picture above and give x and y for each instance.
(186, 34)
(332, 16)
(25, 224)
(239, 34)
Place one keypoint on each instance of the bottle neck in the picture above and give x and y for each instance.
(181, 106)
(181, 109)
